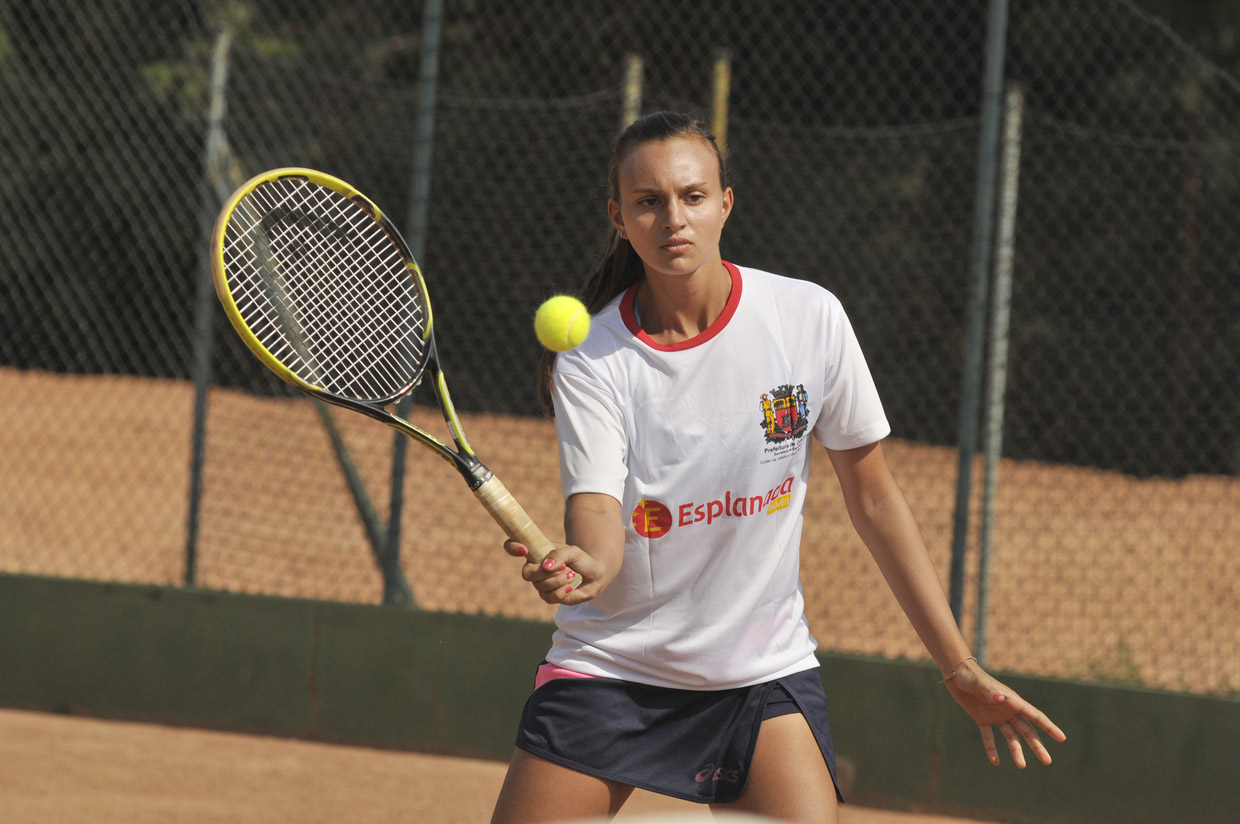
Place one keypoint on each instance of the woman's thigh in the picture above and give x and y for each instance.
(788, 778)
(537, 790)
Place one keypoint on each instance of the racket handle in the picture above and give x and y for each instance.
(516, 524)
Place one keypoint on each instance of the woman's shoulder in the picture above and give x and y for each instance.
(788, 290)
(608, 339)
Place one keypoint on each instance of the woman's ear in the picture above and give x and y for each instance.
(727, 204)
(613, 214)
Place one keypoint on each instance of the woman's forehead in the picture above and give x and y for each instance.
(677, 160)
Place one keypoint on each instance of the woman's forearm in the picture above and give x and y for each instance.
(592, 523)
(882, 517)
(893, 538)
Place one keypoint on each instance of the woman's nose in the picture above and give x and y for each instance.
(673, 218)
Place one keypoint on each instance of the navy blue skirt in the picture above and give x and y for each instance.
(691, 744)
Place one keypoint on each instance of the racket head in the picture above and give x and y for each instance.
(321, 287)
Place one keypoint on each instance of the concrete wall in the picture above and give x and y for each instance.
(455, 684)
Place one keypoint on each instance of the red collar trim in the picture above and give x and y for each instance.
(630, 318)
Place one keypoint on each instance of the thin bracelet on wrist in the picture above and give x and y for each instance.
(956, 669)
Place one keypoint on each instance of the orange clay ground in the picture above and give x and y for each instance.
(70, 770)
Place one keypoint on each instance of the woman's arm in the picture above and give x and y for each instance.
(594, 549)
(881, 515)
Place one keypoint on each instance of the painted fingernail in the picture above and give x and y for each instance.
(567, 590)
(549, 564)
(570, 575)
(998, 696)
(522, 551)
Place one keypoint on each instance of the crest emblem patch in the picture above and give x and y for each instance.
(785, 413)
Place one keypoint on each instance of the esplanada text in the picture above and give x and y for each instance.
(737, 506)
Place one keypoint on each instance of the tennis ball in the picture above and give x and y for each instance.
(561, 323)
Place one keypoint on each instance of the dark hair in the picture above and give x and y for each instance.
(618, 266)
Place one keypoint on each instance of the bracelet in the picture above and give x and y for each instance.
(956, 669)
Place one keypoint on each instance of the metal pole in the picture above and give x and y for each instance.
(722, 89)
(1000, 323)
(983, 227)
(213, 154)
(424, 138)
(424, 127)
(632, 90)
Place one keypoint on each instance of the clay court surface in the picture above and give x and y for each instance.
(58, 769)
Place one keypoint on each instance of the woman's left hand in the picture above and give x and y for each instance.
(992, 704)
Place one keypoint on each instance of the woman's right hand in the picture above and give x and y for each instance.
(568, 575)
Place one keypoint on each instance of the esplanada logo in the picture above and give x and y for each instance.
(653, 519)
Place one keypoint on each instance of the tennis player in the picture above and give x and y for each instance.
(682, 661)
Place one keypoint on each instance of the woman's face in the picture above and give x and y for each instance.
(672, 204)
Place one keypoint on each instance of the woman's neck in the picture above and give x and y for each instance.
(677, 308)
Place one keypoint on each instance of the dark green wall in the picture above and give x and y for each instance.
(456, 683)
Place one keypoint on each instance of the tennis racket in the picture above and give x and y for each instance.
(323, 289)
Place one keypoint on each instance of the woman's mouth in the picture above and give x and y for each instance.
(676, 246)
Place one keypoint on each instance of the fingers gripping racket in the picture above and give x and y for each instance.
(323, 289)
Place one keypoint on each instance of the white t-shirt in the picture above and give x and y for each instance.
(704, 444)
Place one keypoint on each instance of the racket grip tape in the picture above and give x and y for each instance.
(516, 524)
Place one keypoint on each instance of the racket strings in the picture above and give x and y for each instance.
(326, 290)
(311, 304)
(340, 286)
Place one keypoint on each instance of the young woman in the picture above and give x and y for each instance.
(682, 662)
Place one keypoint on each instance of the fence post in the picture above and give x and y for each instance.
(997, 369)
(632, 105)
(979, 271)
(419, 203)
(213, 191)
(721, 89)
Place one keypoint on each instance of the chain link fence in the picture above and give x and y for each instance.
(852, 130)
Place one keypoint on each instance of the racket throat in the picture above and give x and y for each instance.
(473, 471)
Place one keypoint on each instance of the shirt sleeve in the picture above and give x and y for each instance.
(852, 413)
(591, 434)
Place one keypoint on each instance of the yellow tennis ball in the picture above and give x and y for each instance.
(561, 323)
